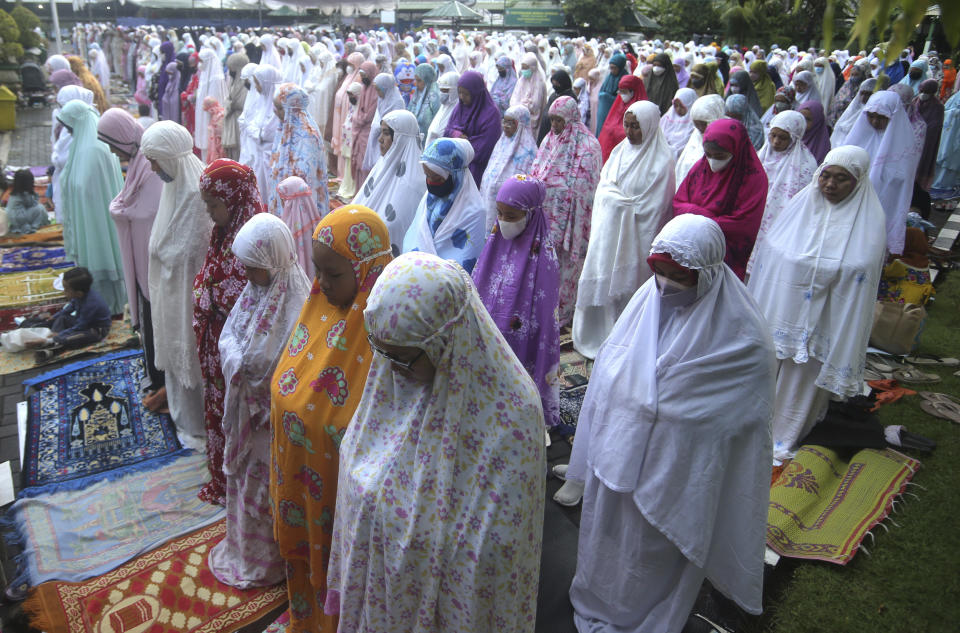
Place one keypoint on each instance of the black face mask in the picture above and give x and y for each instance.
(915, 73)
(502, 72)
(352, 99)
(442, 190)
(697, 83)
(366, 81)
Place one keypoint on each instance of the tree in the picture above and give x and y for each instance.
(10, 49)
(27, 22)
(681, 18)
(900, 16)
(602, 16)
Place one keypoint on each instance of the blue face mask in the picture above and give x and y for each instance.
(818, 70)
(164, 177)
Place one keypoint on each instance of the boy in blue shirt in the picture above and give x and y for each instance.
(84, 320)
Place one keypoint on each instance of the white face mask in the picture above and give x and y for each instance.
(717, 164)
(667, 286)
(510, 230)
(626, 95)
(349, 69)
(659, 70)
(446, 97)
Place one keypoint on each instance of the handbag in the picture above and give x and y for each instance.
(896, 326)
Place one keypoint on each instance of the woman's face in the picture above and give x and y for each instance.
(508, 213)
(556, 86)
(714, 151)
(465, 97)
(679, 108)
(809, 118)
(216, 209)
(509, 126)
(410, 362)
(865, 96)
(614, 70)
(557, 124)
(877, 121)
(836, 183)
(386, 138)
(801, 86)
(632, 127)
(683, 276)
(334, 274)
(779, 139)
(257, 276)
(754, 76)
(701, 126)
(420, 84)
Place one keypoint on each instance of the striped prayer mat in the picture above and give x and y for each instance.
(821, 506)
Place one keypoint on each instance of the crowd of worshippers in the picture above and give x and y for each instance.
(372, 383)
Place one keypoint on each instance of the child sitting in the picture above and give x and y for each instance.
(84, 320)
(25, 214)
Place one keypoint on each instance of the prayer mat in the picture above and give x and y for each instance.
(93, 525)
(572, 363)
(49, 233)
(29, 288)
(46, 309)
(120, 336)
(87, 417)
(571, 401)
(18, 259)
(168, 590)
(821, 506)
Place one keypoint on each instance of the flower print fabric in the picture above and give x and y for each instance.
(252, 340)
(440, 509)
(314, 391)
(569, 164)
(511, 156)
(299, 150)
(215, 289)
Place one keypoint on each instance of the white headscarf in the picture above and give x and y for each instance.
(677, 129)
(390, 101)
(531, 92)
(633, 201)
(445, 475)
(447, 103)
(247, 147)
(257, 329)
(321, 86)
(396, 184)
(270, 55)
(850, 115)
(687, 379)
(61, 147)
(707, 108)
(510, 156)
(210, 84)
(816, 274)
(893, 160)
(825, 82)
(788, 171)
(178, 246)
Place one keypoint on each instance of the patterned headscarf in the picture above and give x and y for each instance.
(527, 319)
(298, 149)
(320, 377)
(222, 278)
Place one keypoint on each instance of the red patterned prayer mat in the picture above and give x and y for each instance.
(168, 590)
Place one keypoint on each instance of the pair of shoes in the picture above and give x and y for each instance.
(571, 492)
(940, 405)
(915, 376)
(896, 435)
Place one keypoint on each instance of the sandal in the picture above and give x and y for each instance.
(942, 410)
(915, 376)
(933, 396)
(932, 360)
(882, 365)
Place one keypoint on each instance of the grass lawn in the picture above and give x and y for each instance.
(911, 580)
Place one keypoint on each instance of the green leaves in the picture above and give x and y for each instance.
(909, 13)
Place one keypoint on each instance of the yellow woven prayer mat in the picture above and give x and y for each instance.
(821, 506)
(28, 288)
(45, 234)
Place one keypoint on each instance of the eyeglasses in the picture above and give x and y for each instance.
(406, 364)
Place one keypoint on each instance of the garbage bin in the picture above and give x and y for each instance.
(8, 109)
